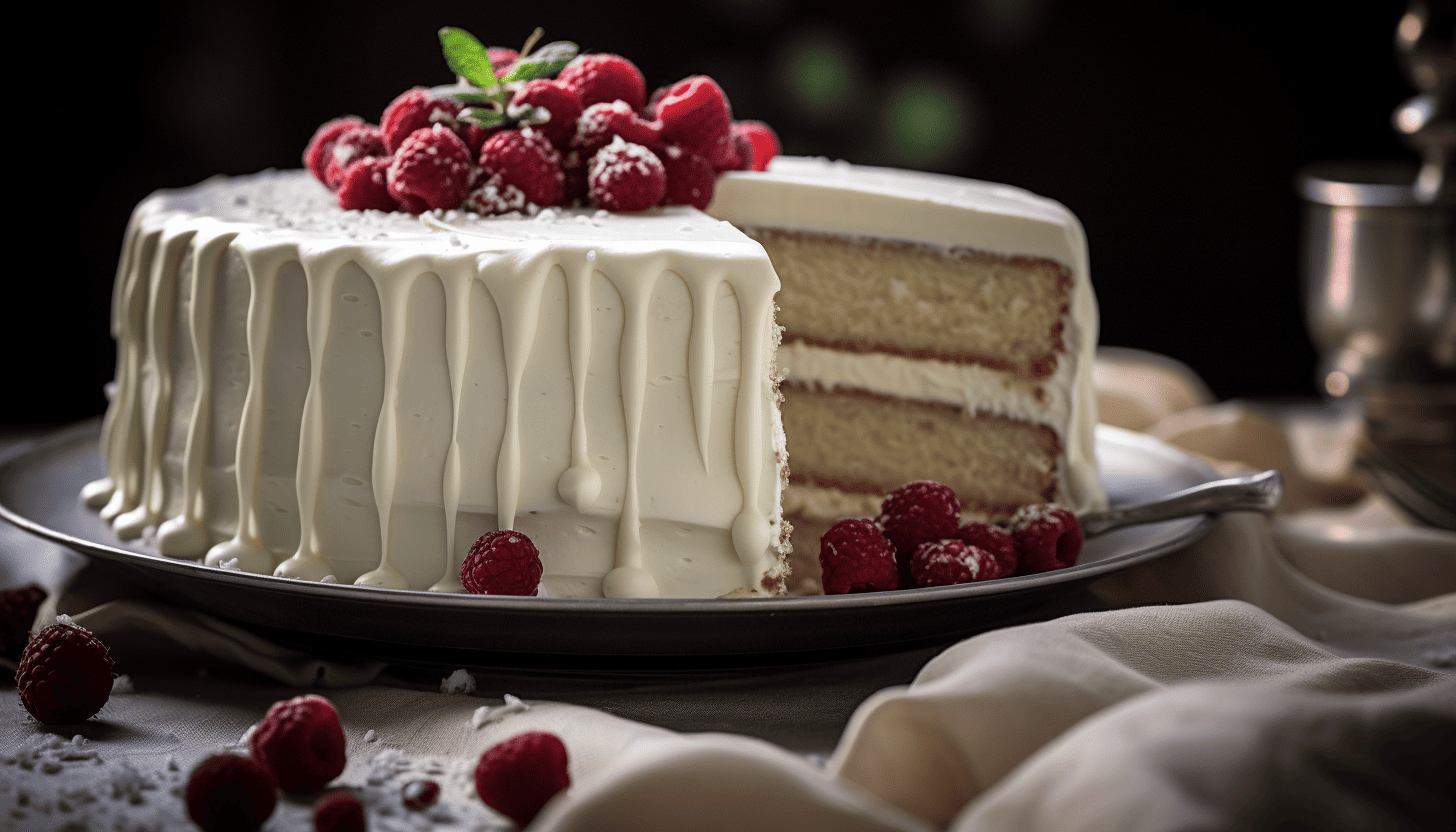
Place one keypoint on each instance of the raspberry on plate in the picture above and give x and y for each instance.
(517, 776)
(948, 562)
(995, 540)
(917, 513)
(561, 101)
(855, 556)
(18, 607)
(64, 675)
(626, 177)
(413, 110)
(598, 78)
(433, 169)
(228, 793)
(338, 812)
(526, 160)
(1048, 537)
(502, 563)
(300, 741)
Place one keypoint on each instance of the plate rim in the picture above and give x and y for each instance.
(44, 451)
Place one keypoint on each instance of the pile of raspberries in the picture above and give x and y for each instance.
(919, 541)
(605, 143)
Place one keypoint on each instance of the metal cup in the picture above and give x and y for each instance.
(1380, 293)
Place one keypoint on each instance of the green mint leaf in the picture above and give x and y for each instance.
(468, 57)
(544, 62)
(482, 116)
(477, 98)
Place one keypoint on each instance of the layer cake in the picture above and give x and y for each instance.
(310, 391)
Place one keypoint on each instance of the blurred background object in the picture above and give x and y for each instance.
(1173, 130)
(1379, 260)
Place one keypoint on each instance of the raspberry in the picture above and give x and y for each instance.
(496, 196)
(695, 114)
(995, 540)
(525, 159)
(762, 139)
(598, 78)
(731, 152)
(412, 110)
(649, 110)
(321, 146)
(917, 513)
(600, 123)
(474, 136)
(626, 177)
(1048, 536)
(502, 563)
(18, 607)
(419, 794)
(573, 173)
(516, 777)
(301, 741)
(432, 169)
(856, 557)
(338, 812)
(561, 101)
(64, 675)
(501, 58)
(353, 144)
(365, 185)
(228, 793)
(689, 178)
(947, 562)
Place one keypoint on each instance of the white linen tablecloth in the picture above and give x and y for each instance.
(1287, 672)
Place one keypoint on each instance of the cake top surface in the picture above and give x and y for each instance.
(818, 194)
(297, 205)
(820, 172)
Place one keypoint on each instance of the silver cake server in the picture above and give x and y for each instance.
(1255, 492)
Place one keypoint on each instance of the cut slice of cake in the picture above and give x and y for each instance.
(935, 328)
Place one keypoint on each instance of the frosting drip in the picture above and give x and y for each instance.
(422, 399)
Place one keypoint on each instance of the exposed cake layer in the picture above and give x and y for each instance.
(362, 394)
(871, 295)
(972, 307)
(864, 443)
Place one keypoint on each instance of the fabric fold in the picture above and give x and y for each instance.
(1070, 724)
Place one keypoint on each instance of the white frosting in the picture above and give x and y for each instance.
(311, 391)
(944, 211)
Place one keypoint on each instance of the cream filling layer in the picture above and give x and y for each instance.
(975, 387)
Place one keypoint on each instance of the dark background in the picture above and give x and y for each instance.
(1174, 130)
